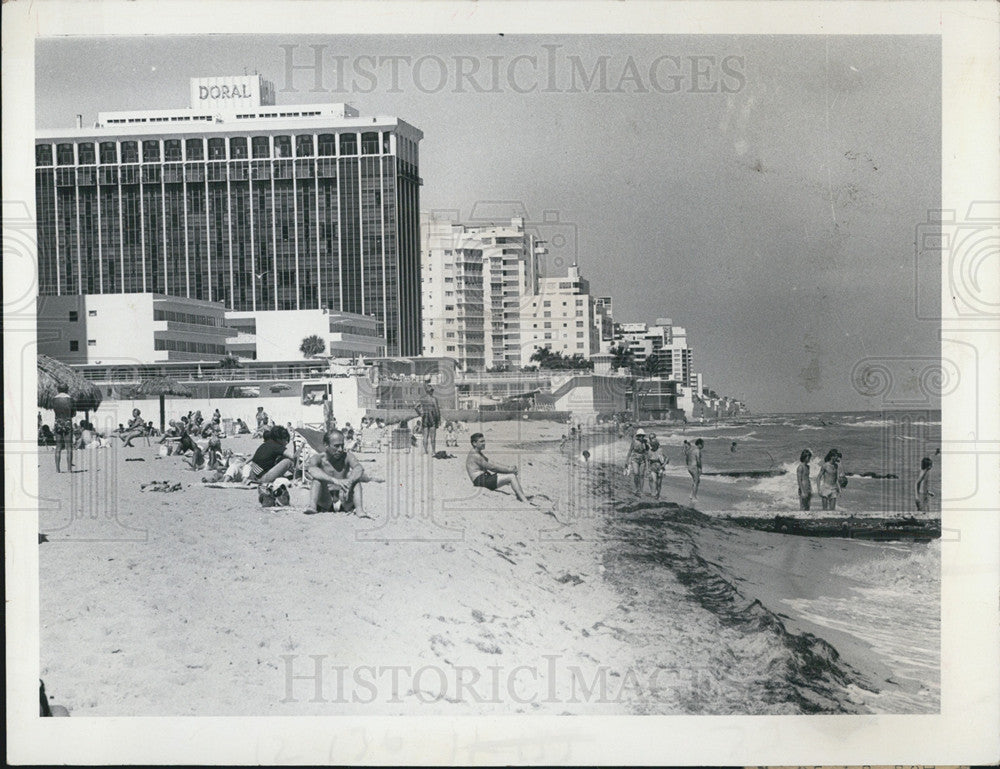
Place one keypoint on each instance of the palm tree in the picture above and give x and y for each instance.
(230, 362)
(312, 346)
(623, 357)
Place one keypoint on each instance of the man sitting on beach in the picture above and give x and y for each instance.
(336, 478)
(136, 428)
(484, 473)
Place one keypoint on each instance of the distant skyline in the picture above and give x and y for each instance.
(766, 198)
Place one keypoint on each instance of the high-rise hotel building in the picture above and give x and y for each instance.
(240, 201)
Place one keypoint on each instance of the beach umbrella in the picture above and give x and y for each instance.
(163, 386)
(52, 373)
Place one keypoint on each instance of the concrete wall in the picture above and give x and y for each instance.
(122, 329)
(279, 333)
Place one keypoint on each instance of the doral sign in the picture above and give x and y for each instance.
(225, 94)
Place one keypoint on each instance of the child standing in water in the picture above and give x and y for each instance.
(830, 481)
(922, 491)
(805, 484)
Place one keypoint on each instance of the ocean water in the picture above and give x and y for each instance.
(759, 455)
(743, 648)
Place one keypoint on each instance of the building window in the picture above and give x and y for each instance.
(43, 154)
(238, 148)
(130, 152)
(327, 145)
(369, 143)
(348, 144)
(92, 313)
(86, 153)
(73, 316)
(385, 141)
(217, 149)
(547, 324)
(282, 146)
(261, 146)
(109, 152)
(304, 146)
(195, 149)
(151, 151)
(74, 346)
(64, 154)
(172, 150)
(546, 314)
(91, 343)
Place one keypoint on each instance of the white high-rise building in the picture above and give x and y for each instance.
(561, 317)
(663, 342)
(475, 279)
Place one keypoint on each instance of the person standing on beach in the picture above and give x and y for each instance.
(635, 459)
(805, 484)
(487, 475)
(692, 458)
(430, 418)
(829, 481)
(336, 477)
(62, 405)
(922, 491)
(656, 461)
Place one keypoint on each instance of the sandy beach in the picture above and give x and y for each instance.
(449, 599)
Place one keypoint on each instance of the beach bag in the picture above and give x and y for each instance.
(842, 481)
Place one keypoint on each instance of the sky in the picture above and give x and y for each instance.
(761, 191)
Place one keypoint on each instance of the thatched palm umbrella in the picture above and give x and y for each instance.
(52, 373)
(163, 386)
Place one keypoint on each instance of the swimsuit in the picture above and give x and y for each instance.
(63, 431)
(487, 480)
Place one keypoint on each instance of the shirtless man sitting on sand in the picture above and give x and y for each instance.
(336, 478)
(484, 473)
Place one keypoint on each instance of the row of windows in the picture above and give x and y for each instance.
(547, 303)
(172, 344)
(239, 148)
(184, 317)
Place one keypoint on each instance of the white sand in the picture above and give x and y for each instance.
(199, 602)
